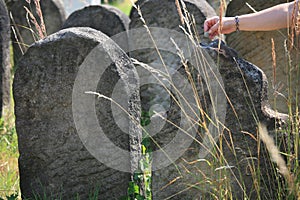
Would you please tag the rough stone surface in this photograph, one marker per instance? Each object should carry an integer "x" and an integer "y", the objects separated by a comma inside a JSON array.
[
  {"x": 53, "y": 14},
  {"x": 104, "y": 18},
  {"x": 256, "y": 47},
  {"x": 156, "y": 15},
  {"x": 5, "y": 84},
  {"x": 162, "y": 14},
  {"x": 53, "y": 159},
  {"x": 195, "y": 177}
]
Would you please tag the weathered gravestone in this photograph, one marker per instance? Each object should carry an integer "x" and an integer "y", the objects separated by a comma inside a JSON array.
[
  {"x": 104, "y": 18},
  {"x": 257, "y": 48},
  {"x": 4, "y": 57},
  {"x": 58, "y": 124},
  {"x": 229, "y": 161},
  {"x": 162, "y": 14},
  {"x": 53, "y": 15}
]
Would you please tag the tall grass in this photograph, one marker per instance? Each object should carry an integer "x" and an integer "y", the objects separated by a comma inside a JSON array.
[
  {"x": 290, "y": 170},
  {"x": 9, "y": 172}
]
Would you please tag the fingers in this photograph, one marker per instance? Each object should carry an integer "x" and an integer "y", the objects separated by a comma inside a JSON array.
[
  {"x": 210, "y": 22},
  {"x": 214, "y": 31},
  {"x": 211, "y": 26}
]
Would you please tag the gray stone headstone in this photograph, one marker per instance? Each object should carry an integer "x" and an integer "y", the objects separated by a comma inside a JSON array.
[
  {"x": 105, "y": 18},
  {"x": 256, "y": 47},
  {"x": 162, "y": 14},
  {"x": 58, "y": 123},
  {"x": 5, "y": 76},
  {"x": 53, "y": 15},
  {"x": 196, "y": 175}
]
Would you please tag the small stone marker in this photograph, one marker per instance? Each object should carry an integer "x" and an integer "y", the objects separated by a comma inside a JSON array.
[
  {"x": 5, "y": 76},
  {"x": 53, "y": 14},
  {"x": 256, "y": 47},
  {"x": 57, "y": 122}
]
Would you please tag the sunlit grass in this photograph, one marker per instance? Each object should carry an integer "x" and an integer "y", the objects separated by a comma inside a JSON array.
[
  {"x": 9, "y": 173},
  {"x": 124, "y": 6}
]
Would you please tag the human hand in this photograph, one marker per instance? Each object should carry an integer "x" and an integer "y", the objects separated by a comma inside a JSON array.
[{"x": 211, "y": 25}]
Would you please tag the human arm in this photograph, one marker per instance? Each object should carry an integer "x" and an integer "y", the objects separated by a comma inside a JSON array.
[{"x": 276, "y": 17}]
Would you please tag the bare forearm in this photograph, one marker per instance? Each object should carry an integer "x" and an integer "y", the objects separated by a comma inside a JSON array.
[{"x": 273, "y": 18}]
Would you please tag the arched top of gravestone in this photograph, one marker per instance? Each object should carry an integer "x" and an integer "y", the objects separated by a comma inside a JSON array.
[
  {"x": 104, "y": 18},
  {"x": 164, "y": 14}
]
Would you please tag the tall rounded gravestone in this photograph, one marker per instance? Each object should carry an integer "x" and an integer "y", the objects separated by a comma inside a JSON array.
[
  {"x": 257, "y": 48},
  {"x": 69, "y": 141}
]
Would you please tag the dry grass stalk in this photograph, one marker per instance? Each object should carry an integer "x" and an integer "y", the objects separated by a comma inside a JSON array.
[
  {"x": 297, "y": 29},
  {"x": 220, "y": 17},
  {"x": 223, "y": 4},
  {"x": 274, "y": 62},
  {"x": 17, "y": 34},
  {"x": 275, "y": 154},
  {"x": 40, "y": 14},
  {"x": 40, "y": 27},
  {"x": 293, "y": 26},
  {"x": 35, "y": 23},
  {"x": 298, "y": 20},
  {"x": 179, "y": 12}
]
